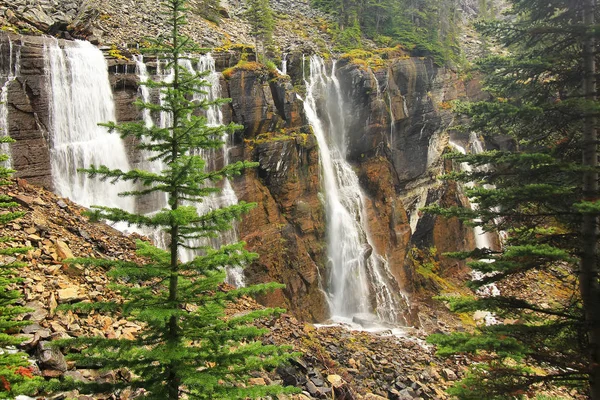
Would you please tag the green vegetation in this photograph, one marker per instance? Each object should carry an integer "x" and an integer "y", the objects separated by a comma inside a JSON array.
[
  {"x": 544, "y": 197},
  {"x": 262, "y": 23},
  {"x": 16, "y": 374},
  {"x": 187, "y": 347},
  {"x": 424, "y": 27},
  {"x": 245, "y": 66}
]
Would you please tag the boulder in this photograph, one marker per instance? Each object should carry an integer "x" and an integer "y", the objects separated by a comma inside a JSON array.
[{"x": 51, "y": 358}]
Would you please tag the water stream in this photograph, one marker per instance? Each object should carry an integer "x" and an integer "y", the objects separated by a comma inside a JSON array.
[
  {"x": 483, "y": 239},
  {"x": 9, "y": 70},
  {"x": 80, "y": 98},
  {"x": 360, "y": 283},
  {"x": 226, "y": 197}
]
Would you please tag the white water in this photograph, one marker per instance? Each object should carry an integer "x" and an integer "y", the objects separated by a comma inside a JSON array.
[
  {"x": 483, "y": 240},
  {"x": 10, "y": 70},
  {"x": 284, "y": 63},
  {"x": 80, "y": 98},
  {"x": 226, "y": 197},
  {"x": 144, "y": 91},
  {"x": 283, "y": 70},
  {"x": 357, "y": 274}
]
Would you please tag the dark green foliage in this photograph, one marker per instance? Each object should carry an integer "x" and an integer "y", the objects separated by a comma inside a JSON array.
[
  {"x": 262, "y": 23},
  {"x": 426, "y": 27},
  {"x": 187, "y": 346},
  {"x": 15, "y": 375},
  {"x": 534, "y": 193}
]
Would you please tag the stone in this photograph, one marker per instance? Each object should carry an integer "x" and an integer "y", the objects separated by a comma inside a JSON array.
[
  {"x": 51, "y": 373},
  {"x": 39, "y": 312},
  {"x": 62, "y": 250},
  {"x": 33, "y": 328},
  {"x": 335, "y": 380},
  {"x": 73, "y": 269},
  {"x": 312, "y": 388},
  {"x": 24, "y": 200},
  {"x": 372, "y": 396},
  {"x": 69, "y": 295},
  {"x": 51, "y": 358},
  {"x": 449, "y": 375},
  {"x": 257, "y": 382},
  {"x": 34, "y": 238},
  {"x": 52, "y": 304},
  {"x": 76, "y": 376}
]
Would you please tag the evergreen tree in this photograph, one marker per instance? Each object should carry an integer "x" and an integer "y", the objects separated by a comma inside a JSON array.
[
  {"x": 187, "y": 346},
  {"x": 262, "y": 24},
  {"x": 15, "y": 372},
  {"x": 543, "y": 196},
  {"x": 425, "y": 27}
]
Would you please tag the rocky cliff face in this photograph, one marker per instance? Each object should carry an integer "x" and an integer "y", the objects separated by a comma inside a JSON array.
[{"x": 397, "y": 131}]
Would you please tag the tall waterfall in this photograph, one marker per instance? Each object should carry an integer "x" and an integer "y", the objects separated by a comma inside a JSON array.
[
  {"x": 80, "y": 98},
  {"x": 214, "y": 116},
  {"x": 359, "y": 278},
  {"x": 483, "y": 239},
  {"x": 9, "y": 71}
]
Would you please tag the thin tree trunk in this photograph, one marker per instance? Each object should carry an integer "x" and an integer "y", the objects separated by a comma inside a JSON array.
[
  {"x": 173, "y": 326},
  {"x": 588, "y": 276}
]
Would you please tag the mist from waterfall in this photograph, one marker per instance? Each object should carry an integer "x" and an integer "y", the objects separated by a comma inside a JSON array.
[
  {"x": 359, "y": 278},
  {"x": 80, "y": 99}
]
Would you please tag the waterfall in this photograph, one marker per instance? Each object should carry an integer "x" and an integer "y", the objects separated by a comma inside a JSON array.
[
  {"x": 283, "y": 70},
  {"x": 80, "y": 98},
  {"x": 144, "y": 90},
  {"x": 359, "y": 279},
  {"x": 483, "y": 240},
  {"x": 284, "y": 63},
  {"x": 226, "y": 197},
  {"x": 9, "y": 69}
]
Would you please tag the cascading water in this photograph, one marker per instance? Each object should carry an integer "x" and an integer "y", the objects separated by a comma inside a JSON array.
[
  {"x": 214, "y": 116},
  {"x": 9, "y": 69},
  {"x": 357, "y": 274},
  {"x": 284, "y": 64},
  {"x": 483, "y": 240},
  {"x": 226, "y": 197},
  {"x": 144, "y": 90},
  {"x": 81, "y": 98}
]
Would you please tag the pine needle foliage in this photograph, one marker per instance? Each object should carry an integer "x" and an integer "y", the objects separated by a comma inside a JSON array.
[
  {"x": 187, "y": 347},
  {"x": 536, "y": 194},
  {"x": 15, "y": 373},
  {"x": 262, "y": 24}
]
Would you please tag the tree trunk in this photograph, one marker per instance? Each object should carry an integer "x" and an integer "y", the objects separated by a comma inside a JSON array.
[{"x": 588, "y": 275}]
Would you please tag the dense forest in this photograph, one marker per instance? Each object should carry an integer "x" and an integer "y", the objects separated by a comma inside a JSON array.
[{"x": 424, "y": 27}]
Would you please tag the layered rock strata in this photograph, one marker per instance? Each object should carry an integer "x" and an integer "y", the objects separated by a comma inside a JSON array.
[{"x": 398, "y": 123}]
